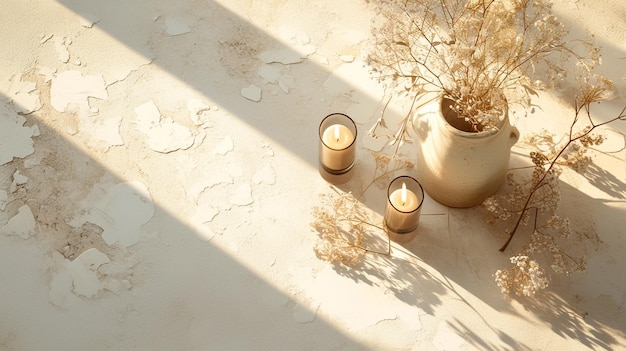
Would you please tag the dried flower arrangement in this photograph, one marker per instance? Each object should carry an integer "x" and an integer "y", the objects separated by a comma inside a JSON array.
[
  {"x": 343, "y": 222},
  {"x": 482, "y": 54}
]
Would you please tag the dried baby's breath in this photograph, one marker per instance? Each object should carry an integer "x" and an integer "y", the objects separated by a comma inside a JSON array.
[
  {"x": 343, "y": 222},
  {"x": 482, "y": 54},
  {"x": 341, "y": 237},
  {"x": 535, "y": 200},
  {"x": 524, "y": 278}
]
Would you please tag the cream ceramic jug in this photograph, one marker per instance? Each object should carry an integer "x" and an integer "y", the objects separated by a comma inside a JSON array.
[{"x": 459, "y": 168}]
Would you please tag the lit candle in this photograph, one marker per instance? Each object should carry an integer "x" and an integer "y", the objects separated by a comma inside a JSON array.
[
  {"x": 337, "y": 137},
  {"x": 337, "y": 148},
  {"x": 404, "y": 200}
]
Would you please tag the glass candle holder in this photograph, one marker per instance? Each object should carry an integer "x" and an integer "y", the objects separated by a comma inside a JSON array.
[
  {"x": 337, "y": 146},
  {"x": 405, "y": 196}
]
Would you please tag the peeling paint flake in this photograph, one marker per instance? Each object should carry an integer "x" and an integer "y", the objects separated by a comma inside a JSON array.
[
  {"x": 199, "y": 112},
  {"x": 286, "y": 56},
  {"x": 242, "y": 195},
  {"x": 15, "y": 138},
  {"x": 164, "y": 135},
  {"x": 286, "y": 83},
  {"x": 18, "y": 179},
  {"x": 22, "y": 224},
  {"x": 177, "y": 26},
  {"x": 105, "y": 130},
  {"x": 121, "y": 213},
  {"x": 225, "y": 146},
  {"x": 35, "y": 130},
  {"x": 71, "y": 87},
  {"x": 82, "y": 277},
  {"x": 251, "y": 92},
  {"x": 84, "y": 272},
  {"x": 25, "y": 96},
  {"x": 60, "y": 45},
  {"x": 347, "y": 58},
  {"x": 270, "y": 73},
  {"x": 265, "y": 174}
]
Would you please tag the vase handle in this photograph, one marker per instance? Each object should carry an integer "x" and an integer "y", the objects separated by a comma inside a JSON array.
[{"x": 514, "y": 136}]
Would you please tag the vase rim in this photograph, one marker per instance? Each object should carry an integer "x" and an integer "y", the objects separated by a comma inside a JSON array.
[{"x": 477, "y": 134}]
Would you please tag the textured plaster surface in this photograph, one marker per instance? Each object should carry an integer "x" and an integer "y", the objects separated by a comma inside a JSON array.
[{"x": 158, "y": 171}]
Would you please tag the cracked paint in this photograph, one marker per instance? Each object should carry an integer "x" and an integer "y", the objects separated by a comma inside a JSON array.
[
  {"x": 72, "y": 88},
  {"x": 163, "y": 134}
]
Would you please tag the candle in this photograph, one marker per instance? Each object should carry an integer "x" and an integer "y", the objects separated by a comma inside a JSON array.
[
  {"x": 404, "y": 201},
  {"x": 337, "y": 148},
  {"x": 337, "y": 137}
]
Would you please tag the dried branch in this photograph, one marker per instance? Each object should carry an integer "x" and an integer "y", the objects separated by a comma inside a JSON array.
[
  {"x": 540, "y": 197},
  {"x": 591, "y": 93}
]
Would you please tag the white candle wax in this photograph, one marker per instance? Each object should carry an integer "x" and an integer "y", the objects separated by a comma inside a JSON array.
[
  {"x": 404, "y": 200},
  {"x": 337, "y": 137}
]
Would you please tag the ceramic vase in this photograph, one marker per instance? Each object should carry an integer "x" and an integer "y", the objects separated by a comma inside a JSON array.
[{"x": 456, "y": 167}]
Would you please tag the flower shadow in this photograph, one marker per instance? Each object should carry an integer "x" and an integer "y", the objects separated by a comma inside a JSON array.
[
  {"x": 471, "y": 337},
  {"x": 455, "y": 255},
  {"x": 383, "y": 263},
  {"x": 411, "y": 283},
  {"x": 605, "y": 181},
  {"x": 553, "y": 309}
]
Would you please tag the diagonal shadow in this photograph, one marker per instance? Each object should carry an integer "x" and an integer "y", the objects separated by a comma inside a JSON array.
[
  {"x": 201, "y": 303},
  {"x": 186, "y": 293},
  {"x": 209, "y": 60},
  {"x": 202, "y": 76},
  {"x": 449, "y": 258}
]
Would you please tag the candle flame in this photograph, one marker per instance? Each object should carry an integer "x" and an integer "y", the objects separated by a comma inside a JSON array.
[
  {"x": 403, "y": 194},
  {"x": 337, "y": 133}
]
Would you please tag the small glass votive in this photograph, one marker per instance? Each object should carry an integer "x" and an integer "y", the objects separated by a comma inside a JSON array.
[
  {"x": 405, "y": 196},
  {"x": 337, "y": 147}
]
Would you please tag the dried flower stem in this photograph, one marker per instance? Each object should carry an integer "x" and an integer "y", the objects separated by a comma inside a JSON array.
[{"x": 541, "y": 182}]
